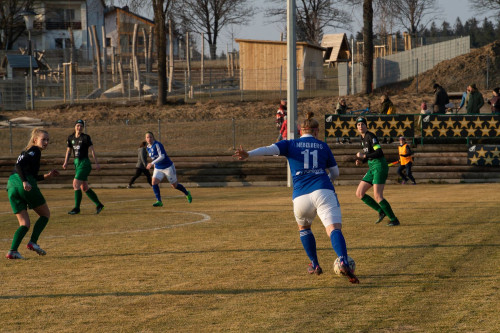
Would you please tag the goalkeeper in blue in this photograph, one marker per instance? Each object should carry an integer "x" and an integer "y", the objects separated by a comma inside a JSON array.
[{"x": 313, "y": 191}]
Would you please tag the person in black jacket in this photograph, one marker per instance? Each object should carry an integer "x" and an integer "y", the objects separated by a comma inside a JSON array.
[
  {"x": 140, "y": 167},
  {"x": 440, "y": 99},
  {"x": 23, "y": 193}
]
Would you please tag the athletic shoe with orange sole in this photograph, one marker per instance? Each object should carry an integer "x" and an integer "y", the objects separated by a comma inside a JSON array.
[
  {"x": 314, "y": 270},
  {"x": 346, "y": 271},
  {"x": 13, "y": 255},
  {"x": 34, "y": 247}
]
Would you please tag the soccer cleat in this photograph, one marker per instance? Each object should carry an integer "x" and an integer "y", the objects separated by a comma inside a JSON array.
[
  {"x": 346, "y": 271},
  {"x": 381, "y": 216},
  {"x": 74, "y": 211},
  {"x": 158, "y": 204},
  {"x": 393, "y": 223},
  {"x": 189, "y": 197},
  {"x": 99, "y": 208},
  {"x": 34, "y": 247},
  {"x": 312, "y": 270},
  {"x": 129, "y": 186},
  {"x": 403, "y": 182},
  {"x": 13, "y": 255}
]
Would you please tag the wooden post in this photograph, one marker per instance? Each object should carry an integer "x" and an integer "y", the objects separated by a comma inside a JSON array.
[
  {"x": 171, "y": 51},
  {"x": 64, "y": 83},
  {"x": 122, "y": 82},
  {"x": 202, "y": 74},
  {"x": 227, "y": 60},
  {"x": 188, "y": 60},
  {"x": 145, "y": 37},
  {"x": 97, "y": 56},
  {"x": 104, "y": 59},
  {"x": 91, "y": 40},
  {"x": 150, "y": 49},
  {"x": 113, "y": 64}
]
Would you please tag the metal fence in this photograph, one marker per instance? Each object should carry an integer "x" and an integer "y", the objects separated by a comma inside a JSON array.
[{"x": 182, "y": 137}]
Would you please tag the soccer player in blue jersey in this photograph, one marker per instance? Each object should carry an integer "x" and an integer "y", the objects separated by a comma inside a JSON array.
[
  {"x": 376, "y": 175},
  {"x": 313, "y": 191},
  {"x": 163, "y": 167}
]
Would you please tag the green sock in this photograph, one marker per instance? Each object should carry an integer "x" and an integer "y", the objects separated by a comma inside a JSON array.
[
  {"x": 386, "y": 207},
  {"x": 78, "y": 198},
  {"x": 38, "y": 228},
  {"x": 18, "y": 237},
  {"x": 371, "y": 203},
  {"x": 92, "y": 196}
]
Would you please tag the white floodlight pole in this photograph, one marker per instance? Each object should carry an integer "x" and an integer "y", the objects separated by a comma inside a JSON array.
[
  {"x": 29, "y": 18},
  {"x": 291, "y": 41}
]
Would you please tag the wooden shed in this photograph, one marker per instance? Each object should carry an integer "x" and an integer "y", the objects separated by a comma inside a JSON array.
[
  {"x": 337, "y": 48},
  {"x": 263, "y": 65},
  {"x": 17, "y": 65}
]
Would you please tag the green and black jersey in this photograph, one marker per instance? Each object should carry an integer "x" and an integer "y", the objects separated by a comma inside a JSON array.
[{"x": 80, "y": 145}]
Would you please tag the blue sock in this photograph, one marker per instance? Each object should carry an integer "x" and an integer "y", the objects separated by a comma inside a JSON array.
[
  {"x": 181, "y": 188},
  {"x": 338, "y": 244},
  {"x": 309, "y": 244},
  {"x": 156, "y": 190}
]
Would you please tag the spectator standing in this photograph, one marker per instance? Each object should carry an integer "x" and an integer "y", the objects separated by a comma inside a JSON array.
[
  {"x": 405, "y": 161},
  {"x": 280, "y": 118},
  {"x": 341, "y": 107},
  {"x": 440, "y": 99},
  {"x": 386, "y": 105},
  {"x": 140, "y": 167},
  {"x": 495, "y": 101},
  {"x": 475, "y": 100}
]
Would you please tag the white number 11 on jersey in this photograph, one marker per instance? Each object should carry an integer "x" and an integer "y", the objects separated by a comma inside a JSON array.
[{"x": 306, "y": 154}]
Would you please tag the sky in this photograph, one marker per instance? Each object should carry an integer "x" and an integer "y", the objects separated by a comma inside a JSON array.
[{"x": 261, "y": 29}]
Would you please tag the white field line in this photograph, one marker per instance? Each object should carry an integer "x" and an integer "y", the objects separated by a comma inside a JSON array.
[{"x": 204, "y": 218}]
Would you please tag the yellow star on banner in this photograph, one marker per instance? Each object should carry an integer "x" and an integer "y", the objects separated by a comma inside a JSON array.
[
  {"x": 338, "y": 123},
  {"x": 449, "y": 123},
  {"x": 457, "y": 131},
  {"x": 474, "y": 159},
  {"x": 435, "y": 123},
  {"x": 351, "y": 123},
  {"x": 481, "y": 152},
  {"x": 493, "y": 123},
  {"x": 488, "y": 160},
  {"x": 386, "y": 131},
  {"x": 478, "y": 123},
  {"x": 400, "y": 131},
  {"x": 407, "y": 123},
  {"x": 496, "y": 152},
  {"x": 464, "y": 123},
  {"x": 331, "y": 131},
  {"x": 393, "y": 123},
  {"x": 485, "y": 131},
  {"x": 428, "y": 131},
  {"x": 471, "y": 131},
  {"x": 379, "y": 123},
  {"x": 345, "y": 131},
  {"x": 442, "y": 131}
]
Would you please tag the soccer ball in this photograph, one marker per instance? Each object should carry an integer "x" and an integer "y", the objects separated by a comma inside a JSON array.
[{"x": 336, "y": 265}]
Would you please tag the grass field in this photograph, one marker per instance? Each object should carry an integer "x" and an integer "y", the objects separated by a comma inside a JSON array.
[{"x": 232, "y": 261}]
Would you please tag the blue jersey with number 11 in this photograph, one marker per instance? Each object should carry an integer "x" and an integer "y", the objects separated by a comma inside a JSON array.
[{"x": 308, "y": 158}]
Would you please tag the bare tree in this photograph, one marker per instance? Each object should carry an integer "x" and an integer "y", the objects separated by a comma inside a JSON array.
[
  {"x": 368, "y": 46},
  {"x": 484, "y": 6},
  {"x": 11, "y": 23},
  {"x": 211, "y": 16},
  {"x": 415, "y": 15},
  {"x": 161, "y": 10},
  {"x": 313, "y": 17}
]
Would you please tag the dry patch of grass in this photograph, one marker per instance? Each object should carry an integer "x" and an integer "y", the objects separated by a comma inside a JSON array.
[{"x": 232, "y": 261}]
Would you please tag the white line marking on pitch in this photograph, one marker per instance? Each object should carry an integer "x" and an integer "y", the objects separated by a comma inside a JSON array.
[{"x": 204, "y": 218}]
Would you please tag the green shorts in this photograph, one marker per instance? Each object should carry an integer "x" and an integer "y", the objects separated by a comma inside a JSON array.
[
  {"x": 19, "y": 198},
  {"x": 83, "y": 168},
  {"x": 377, "y": 172}
]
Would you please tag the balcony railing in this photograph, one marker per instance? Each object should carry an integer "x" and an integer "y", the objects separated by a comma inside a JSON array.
[{"x": 61, "y": 25}]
